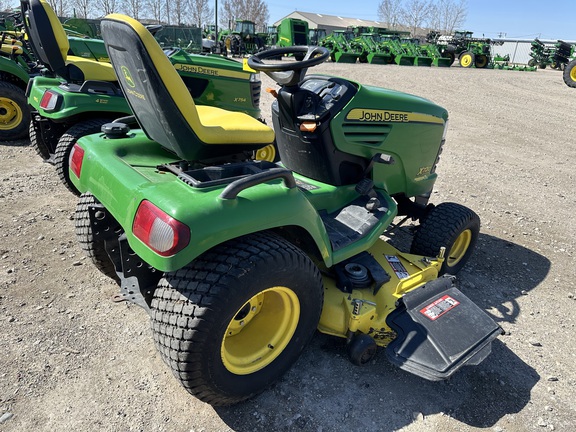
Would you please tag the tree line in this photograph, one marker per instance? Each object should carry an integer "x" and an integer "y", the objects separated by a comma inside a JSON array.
[
  {"x": 171, "y": 12},
  {"x": 441, "y": 15}
]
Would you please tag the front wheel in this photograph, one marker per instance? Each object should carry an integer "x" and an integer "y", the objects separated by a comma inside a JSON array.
[
  {"x": 235, "y": 319},
  {"x": 452, "y": 226},
  {"x": 14, "y": 112},
  {"x": 467, "y": 59},
  {"x": 65, "y": 144},
  {"x": 569, "y": 74}
]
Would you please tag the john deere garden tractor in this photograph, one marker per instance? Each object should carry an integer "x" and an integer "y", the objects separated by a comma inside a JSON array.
[
  {"x": 237, "y": 261},
  {"x": 18, "y": 64},
  {"x": 76, "y": 96}
]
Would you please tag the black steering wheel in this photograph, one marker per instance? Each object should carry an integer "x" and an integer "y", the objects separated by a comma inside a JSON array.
[{"x": 289, "y": 73}]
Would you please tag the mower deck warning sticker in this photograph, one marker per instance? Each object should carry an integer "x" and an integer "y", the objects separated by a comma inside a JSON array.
[
  {"x": 439, "y": 307},
  {"x": 397, "y": 266}
]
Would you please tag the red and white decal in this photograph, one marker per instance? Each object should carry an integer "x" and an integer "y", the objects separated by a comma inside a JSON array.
[
  {"x": 439, "y": 307},
  {"x": 399, "y": 269}
]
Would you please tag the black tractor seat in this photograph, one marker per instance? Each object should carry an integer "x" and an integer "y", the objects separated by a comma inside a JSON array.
[{"x": 163, "y": 105}]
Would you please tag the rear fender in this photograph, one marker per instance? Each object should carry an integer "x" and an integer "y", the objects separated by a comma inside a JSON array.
[
  {"x": 73, "y": 103},
  {"x": 122, "y": 173},
  {"x": 13, "y": 69}
]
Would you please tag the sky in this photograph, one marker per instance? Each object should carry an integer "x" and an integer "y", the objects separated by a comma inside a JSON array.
[{"x": 524, "y": 19}]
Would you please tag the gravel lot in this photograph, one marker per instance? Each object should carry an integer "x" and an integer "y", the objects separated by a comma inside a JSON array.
[{"x": 73, "y": 360}]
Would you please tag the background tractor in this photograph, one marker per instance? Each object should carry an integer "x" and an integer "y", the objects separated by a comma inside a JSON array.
[
  {"x": 243, "y": 39},
  {"x": 342, "y": 46},
  {"x": 471, "y": 52}
]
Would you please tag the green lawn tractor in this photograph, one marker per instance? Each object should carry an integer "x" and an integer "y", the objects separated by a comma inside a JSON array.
[
  {"x": 18, "y": 64},
  {"x": 69, "y": 102},
  {"x": 238, "y": 262}
]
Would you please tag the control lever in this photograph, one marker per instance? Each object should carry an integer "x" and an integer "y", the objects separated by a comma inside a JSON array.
[{"x": 365, "y": 186}]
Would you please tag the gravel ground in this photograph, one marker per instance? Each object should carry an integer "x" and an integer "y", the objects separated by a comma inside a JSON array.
[{"x": 71, "y": 359}]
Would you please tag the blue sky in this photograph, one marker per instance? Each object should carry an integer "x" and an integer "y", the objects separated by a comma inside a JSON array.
[{"x": 517, "y": 18}]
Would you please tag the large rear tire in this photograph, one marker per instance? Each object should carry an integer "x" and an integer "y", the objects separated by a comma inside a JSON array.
[
  {"x": 14, "y": 112},
  {"x": 448, "y": 225},
  {"x": 569, "y": 74},
  {"x": 65, "y": 145},
  {"x": 235, "y": 319},
  {"x": 481, "y": 61},
  {"x": 94, "y": 249},
  {"x": 449, "y": 55}
]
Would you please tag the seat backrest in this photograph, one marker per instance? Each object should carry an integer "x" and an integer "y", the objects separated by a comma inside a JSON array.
[
  {"x": 50, "y": 44},
  {"x": 153, "y": 88},
  {"x": 47, "y": 37}
]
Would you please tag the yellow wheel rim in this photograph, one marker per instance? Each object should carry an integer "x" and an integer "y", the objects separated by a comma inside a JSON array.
[
  {"x": 459, "y": 248},
  {"x": 466, "y": 60},
  {"x": 267, "y": 153},
  {"x": 260, "y": 330},
  {"x": 481, "y": 61},
  {"x": 10, "y": 114},
  {"x": 573, "y": 73}
]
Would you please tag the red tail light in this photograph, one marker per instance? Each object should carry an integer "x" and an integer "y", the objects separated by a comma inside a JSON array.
[
  {"x": 75, "y": 160},
  {"x": 159, "y": 231},
  {"x": 50, "y": 101}
]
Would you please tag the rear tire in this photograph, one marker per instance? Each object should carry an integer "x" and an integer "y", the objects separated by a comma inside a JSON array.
[
  {"x": 37, "y": 142},
  {"x": 452, "y": 226},
  {"x": 481, "y": 61},
  {"x": 449, "y": 55},
  {"x": 234, "y": 320},
  {"x": 14, "y": 112},
  {"x": 95, "y": 250},
  {"x": 569, "y": 74},
  {"x": 65, "y": 145}
]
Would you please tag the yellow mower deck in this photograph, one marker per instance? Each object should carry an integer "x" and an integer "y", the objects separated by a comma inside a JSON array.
[{"x": 365, "y": 310}]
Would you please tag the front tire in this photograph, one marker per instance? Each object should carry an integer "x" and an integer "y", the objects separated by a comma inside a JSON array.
[
  {"x": 467, "y": 59},
  {"x": 569, "y": 74},
  {"x": 14, "y": 112},
  {"x": 65, "y": 144},
  {"x": 235, "y": 319},
  {"x": 452, "y": 226}
]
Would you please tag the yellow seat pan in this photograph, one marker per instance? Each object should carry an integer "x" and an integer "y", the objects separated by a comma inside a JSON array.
[
  {"x": 11, "y": 49},
  {"x": 92, "y": 69},
  {"x": 229, "y": 127}
]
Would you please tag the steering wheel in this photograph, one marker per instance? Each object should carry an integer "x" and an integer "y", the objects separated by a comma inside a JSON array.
[{"x": 288, "y": 73}]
